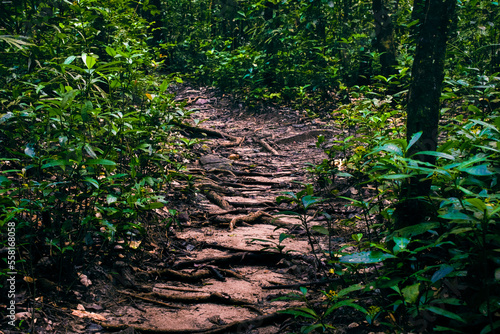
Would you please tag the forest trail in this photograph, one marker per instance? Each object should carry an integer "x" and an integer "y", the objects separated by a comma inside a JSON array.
[{"x": 220, "y": 268}]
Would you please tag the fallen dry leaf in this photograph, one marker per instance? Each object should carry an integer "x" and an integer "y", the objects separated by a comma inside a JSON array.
[{"x": 90, "y": 315}]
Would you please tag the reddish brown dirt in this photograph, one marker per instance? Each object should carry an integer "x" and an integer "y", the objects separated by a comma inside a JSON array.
[{"x": 208, "y": 290}]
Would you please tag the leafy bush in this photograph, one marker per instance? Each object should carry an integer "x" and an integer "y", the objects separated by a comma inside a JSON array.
[{"x": 88, "y": 140}]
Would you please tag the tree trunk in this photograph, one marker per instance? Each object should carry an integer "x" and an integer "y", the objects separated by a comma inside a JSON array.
[
  {"x": 384, "y": 37},
  {"x": 423, "y": 103}
]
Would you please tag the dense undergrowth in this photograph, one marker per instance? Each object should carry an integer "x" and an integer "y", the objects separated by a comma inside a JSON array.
[{"x": 89, "y": 147}]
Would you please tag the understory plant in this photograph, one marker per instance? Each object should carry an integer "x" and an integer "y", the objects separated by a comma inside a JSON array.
[
  {"x": 442, "y": 274},
  {"x": 88, "y": 141}
]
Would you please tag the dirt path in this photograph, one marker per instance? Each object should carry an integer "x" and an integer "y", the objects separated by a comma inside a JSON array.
[{"x": 212, "y": 275}]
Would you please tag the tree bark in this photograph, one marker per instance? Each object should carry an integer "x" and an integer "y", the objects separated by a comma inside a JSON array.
[
  {"x": 423, "y": 104},
  {"x": 384, "y": 37}
]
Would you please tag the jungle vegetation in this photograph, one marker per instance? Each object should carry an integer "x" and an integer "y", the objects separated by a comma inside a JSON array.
[{"x": 88, "y": 124}]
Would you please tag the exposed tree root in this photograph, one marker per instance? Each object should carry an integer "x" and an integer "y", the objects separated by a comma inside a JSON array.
[
  {"x": 208, "y": 132},
  {"x": 250, "y": 218},
  {"x": 221, "y": 170},
  {"x": 312, "y": 134},
  {"x": 298, "y": 285},
  {"x": 236, "y": 142},
  {"x": 268, "y": 147},
  {"x": 213, "y": 297},
  {"x": 184, "y": 277},
  {"x": 238, "y": 326},
  {"x": 215, "y": 198},
  {"x": 267, "y": 219},
  {"x": 150, "y": 300},
  {"x": 234, "y": 259}
]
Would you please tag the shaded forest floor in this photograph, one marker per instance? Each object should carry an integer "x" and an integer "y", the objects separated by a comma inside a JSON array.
[{"x": 207, "y": 272}]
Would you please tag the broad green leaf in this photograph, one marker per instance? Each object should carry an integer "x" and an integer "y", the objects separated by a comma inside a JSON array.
[
  {"x": 474, "y": 109},
  {"x": 390, "y": 147},
  {"x": 110, "y": 51},
  {"x": 348, "y": 290},
  {"x": 400, "y": 244},
  {"x": 410, "y": 293},
  {"x": 309, "y": 200},
  {"x": 487, "y": 329},
  {"x": 92, "y": 182},
  {"x": 30, "y": 151},
  {"x": 103, "y": 162},
  {"x": 480, "y": 170},
  {"x": 54, "y": 163},
  {"x": 89, "y": 60},
  {"x": 68, "y": 98},
  {"x": 111, "y": 198},
  {"x": 395, "y": 176},
  {"x": 164, "y": 85},
  {"x": 301, "y": 313},
  {"x": 479, "y": 204},
  {"x": 320, "y": 229},
  {"x": 436, "y": 154},
  {"x": 442, "y": 272},
  {"x": 155, "y": 205},
  {"x": 366, "y": 257},
  {"x": 90, "y": 151},
  {"x": 418, "y": 229},
  {"x": 455, "y": 215},
  {"x": 3, "y": 179},
  {"x": 69, "y": 60},
  {"x": 284, "y": 236},
  {"x": 444, "y": 313},
  {"x": 486, "y": 125},
  {"x": 414, "y": 139}
]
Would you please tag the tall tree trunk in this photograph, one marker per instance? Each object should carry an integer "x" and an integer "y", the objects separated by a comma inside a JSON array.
[
  {"x": 423, "y": 103},
  {"x": 384, "y": 37}
]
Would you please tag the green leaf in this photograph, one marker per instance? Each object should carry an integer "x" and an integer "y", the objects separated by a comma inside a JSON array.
[
  {"x": 414, "y": 139},
  {"x": 111, "y": 199},
  {"x": 366, "y": 257},
  {"x": 455, "y": 215},
  {"x": 480, "y": 170},
  {"x": 444, "y": 313},
  {"x": 309, "y": 200},
  {"x": 89, "y": 150},
  {"x": 442, "y": 273},
  {"x": 390, "y": 147},
  {"x": 320, "y": 229},
  {"x": 110, "y": 51},
  {"x": 69, "y": 60},
  {"x": 410, "y": 293},
  {"x": 30, "y": 151},
  {"x": 348, "y": 290},
  {"x": 3, "y": 179},
  {"x": 436, "y": 154},
  {"x": 89, "y": 60},
  {"x": 394, "y": 176},
  {"x": 164, "y": 85},
  {"x": 418, "y": 229},
  {"x": 400, "y": 244},
  {"x": 284, "y": 236},
  {"x": 68, "y": 98},
  {"x": 92, "y": 182},
  {"x": 476, "y": 202},
  {"x": 54, "y": 163},
  {"x": 303, "y": 312},
  {"x": 103, "y": 162},
  {"x": 487, "y": 329},
  {"x": 155, "y": 205}
]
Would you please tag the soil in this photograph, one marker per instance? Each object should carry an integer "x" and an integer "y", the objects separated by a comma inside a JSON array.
[{"x": 220, "y": 266}]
